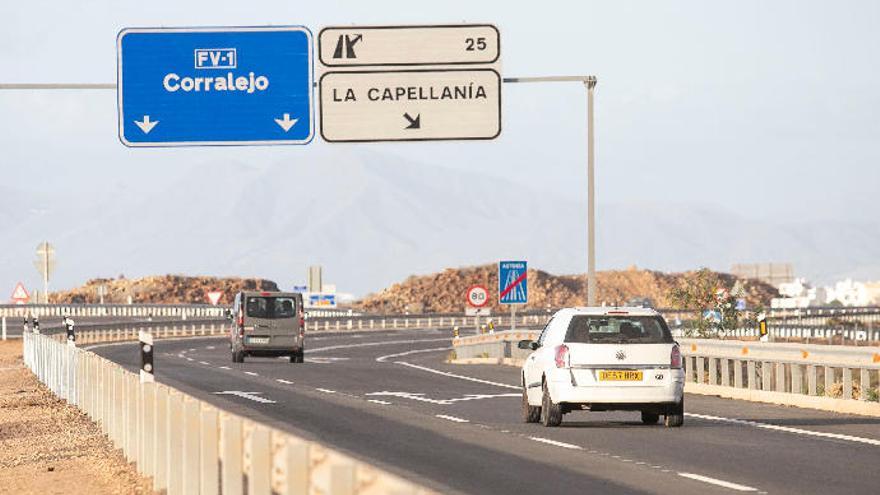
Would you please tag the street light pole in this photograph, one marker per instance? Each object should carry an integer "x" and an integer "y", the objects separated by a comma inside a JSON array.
[{"x": 589, "y": 83}]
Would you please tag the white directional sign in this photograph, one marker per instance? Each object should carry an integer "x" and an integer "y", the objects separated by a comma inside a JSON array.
[
  {"x": 409, "y": 45},
  {"x": 410, "y": 105}
]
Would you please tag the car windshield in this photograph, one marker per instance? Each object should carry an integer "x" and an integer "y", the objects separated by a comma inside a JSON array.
[
  {"x": 621, "y": 329},
  {"x": 271, "y": 307}
]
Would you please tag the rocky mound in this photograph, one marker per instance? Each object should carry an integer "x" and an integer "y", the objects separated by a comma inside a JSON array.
[
  {"x": 444, "y": 292},
  {"x": 164, "y": 289}
]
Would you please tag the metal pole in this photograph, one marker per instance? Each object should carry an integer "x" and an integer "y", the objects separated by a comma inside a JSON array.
[
  {"x": 46, "y": 274},
  {"x": 591, "y": 201},
  {"x": 590, "y": 83}
]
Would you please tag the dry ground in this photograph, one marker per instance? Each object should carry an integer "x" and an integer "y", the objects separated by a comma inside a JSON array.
[{"x": 47, "y": 446}]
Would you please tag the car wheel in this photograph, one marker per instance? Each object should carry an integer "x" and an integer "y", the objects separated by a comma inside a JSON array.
[
  {"x": 551, "y": 414},
  {"x": 530, "y": 414},
  {"x": 650, "y": 418},
  {"x": 675, "y": 415}
]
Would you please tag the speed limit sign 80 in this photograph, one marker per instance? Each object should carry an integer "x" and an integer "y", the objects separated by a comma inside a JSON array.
[{"x": 478, "y": 296}]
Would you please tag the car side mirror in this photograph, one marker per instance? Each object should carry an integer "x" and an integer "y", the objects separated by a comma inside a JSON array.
[{"x": 527, "y": 344}]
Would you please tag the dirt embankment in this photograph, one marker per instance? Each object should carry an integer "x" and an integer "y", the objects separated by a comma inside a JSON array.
[
  {"x": 163, "y": 289},
  {"x": 445, "y": 291},
  {"x": 49, "y": 447}
]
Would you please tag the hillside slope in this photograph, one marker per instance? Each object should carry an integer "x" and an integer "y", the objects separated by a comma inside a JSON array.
[
  {"x": 444, "y": 292},
  {"x": 164, "y": 289}
]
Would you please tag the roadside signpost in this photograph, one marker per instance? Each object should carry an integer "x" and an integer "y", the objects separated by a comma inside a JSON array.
[
  {"x": 20, "y": 294},
  {"x": 215, "y": 86},
  {"x": 214, "y": 296},
  {"x": 513, "y": 286},
  {"x": 45, "y": 264},
  {"x": 450, "y": 88},
  {"x": 478, "y": 301},
  {"x": 320, "y": 300}
]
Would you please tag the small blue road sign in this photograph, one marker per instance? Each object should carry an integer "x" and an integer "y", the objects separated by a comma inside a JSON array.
[
  {"x": 215, "y": 86},
  {"x": 513, "y": 287}
]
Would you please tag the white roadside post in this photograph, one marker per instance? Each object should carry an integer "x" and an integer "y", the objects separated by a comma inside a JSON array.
[{"x": 146, "y": 345}]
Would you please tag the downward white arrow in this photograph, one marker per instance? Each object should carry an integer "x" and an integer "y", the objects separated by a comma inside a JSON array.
[
  {"x": 286, "y": 123},
  {"x": 147, "y": 125}
]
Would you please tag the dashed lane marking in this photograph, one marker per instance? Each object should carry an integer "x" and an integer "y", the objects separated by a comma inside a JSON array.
[
  {"x": 556, "y": 443},
  {"x": 251, "y": 373},
  {"x": 460, "y": 377},
  {"x": 225, "y": 368},
  {"x": 377, "y": 401},
  {"x": 787, "y": 429},
  {"x": 451, "y": 418},
  {"x": 717, "y": 482},
  {"x": 282, "y": 380},
  {"x": 326, "y": 391},
  {"x": 205, "y": 363}
]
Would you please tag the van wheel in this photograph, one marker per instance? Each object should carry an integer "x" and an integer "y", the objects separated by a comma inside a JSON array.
[
  {"x": 530, "y": 414},
  {"x": 675, "y": 415},
  {"x": 650, "y": 418},
  {"x": 551, "y": 414}
]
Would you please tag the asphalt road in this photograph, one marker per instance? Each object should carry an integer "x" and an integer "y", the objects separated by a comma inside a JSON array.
[{"x": 390, "y": 399}]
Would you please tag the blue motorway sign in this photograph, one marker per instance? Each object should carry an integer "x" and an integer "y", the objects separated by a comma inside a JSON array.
[
  {"x": 215, "y": 86},
  {"x": 321, "y": 300},
  {"x": 513, "y": 282}
]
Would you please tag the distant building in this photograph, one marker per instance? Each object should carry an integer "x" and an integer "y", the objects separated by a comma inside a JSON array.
[
  {"x": 771, "y": 273},
  {"x": 799, "y": 294}
]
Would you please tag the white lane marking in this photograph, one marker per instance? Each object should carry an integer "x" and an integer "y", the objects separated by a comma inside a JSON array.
[
  {"x": 210, "y": 348},
  {"x": 181, "y": 356},
  {"x": 421, "y": 397},
  {"x": 714, "y": 481},
  {"x": 251, "y": 373},
  {"x": 190, "y": 359},
  {"x": 325, "y": 360},
  {"x": 787, "y": 429},
  {"x": 451, "y": 418},
  {"x": 326, "y": 391},
  {"x": 225, "y": 368},
  {"x": 377, "y": 401},
  {"x": 381, "y": 359},
  {"x": 254, "y": 396},
  {"x": 557, "y": 444},
  {"x": 373, "y": 344},
  {"x": 191, "y": 350},
  {"x": 460, "y": 377},
  {"x": 282, "y": 380},
  {"x": 205, "y": 363}
]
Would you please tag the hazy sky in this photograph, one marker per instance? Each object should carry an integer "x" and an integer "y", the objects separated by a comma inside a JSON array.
[{"x": 765, "y": 108}]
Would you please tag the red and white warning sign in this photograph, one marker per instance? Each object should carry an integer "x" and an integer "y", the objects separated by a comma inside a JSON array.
[
  {"x": 20, "y": 294},
  {"x": 477, "y": 296},
  {"x": 214, "y": 296}
]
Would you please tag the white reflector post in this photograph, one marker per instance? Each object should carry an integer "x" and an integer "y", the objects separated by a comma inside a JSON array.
[{"x": 146, "y": 345}]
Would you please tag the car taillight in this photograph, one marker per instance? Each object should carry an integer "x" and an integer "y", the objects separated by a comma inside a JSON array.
[
  {"x": 240, "y": 318},
  {"x": 675, "y": 358},
  {"x": 562, "y": 356}
]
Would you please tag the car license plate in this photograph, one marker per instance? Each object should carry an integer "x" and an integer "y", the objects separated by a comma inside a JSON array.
[
  {"x": 620, "y": 376},
  {"x": 258, "y": 340}
]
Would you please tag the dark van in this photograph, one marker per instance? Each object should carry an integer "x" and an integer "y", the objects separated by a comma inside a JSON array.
[{"x": 267, "y": 324}]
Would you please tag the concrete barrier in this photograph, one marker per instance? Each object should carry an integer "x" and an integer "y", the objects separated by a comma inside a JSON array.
[{"x": 187, "y": 445}]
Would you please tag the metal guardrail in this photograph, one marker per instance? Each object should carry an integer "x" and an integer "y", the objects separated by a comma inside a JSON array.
[
  {"x": 844, "y": 372},
  {"x": 189, "y": 446}
]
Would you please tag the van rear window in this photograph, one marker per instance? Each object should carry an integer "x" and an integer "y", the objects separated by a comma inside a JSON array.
[
  {"x": 271, "y": 307},
  {"x": 586, "y": 329}
]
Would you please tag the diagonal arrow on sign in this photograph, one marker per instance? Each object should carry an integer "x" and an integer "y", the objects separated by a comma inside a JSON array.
[
  {"x": 514, "y": 284},
  {"x": 414, "y": 122}
]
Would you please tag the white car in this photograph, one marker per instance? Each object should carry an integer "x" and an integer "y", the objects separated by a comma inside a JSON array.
[{"x": 603, "y": 359}]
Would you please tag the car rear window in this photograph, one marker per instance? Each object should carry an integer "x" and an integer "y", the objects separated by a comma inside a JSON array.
[
  {"x": 587, "y": 329},
  {"x": 271, "y": 307}
]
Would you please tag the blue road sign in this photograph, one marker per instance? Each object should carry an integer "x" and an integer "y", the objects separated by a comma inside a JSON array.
[
  {"x": 513, "y": 286},
  {"x": 215, "y": 86},
  {"x": 321, "y": 301}
]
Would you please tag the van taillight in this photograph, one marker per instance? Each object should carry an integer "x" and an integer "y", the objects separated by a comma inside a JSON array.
[
  {"x": 675, "y": 358},
  {"x": 240, "y": 318},
  {"x": 562, "y": 356}
]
